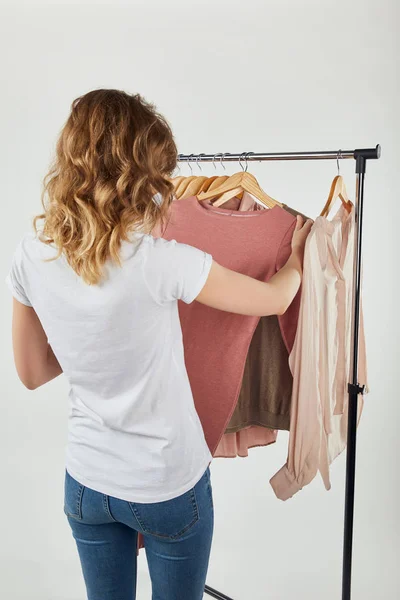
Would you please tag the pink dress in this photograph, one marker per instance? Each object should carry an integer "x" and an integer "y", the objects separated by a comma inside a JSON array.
[
  {"x": 254, "y": 242},
  {"x": 320, "y": 360}
]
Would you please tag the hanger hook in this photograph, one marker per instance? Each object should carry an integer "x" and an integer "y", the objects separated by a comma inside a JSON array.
[
  {"x": 245, "y": 158},
  {"x": 197, "y": 161},
  {"x": 247, "y": 155},
  {"x": 213, "y": 161},
  {"x": 240, "y": 160},
  {"x": 215, "y": 156},
  {"x": 222, "y": 157},
  {"x": 188, "y": 162},
  {"x": 339, "y": 155}
]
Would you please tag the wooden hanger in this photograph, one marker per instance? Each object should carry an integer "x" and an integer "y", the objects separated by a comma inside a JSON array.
[
  {"x": 338, "y": 189},
  {"x": 196, "y": 184},
  {"x": 194, "y": 187},
  {"x": 200, "y": 184},
  {"x": 180, "y": 190},
  {"x": 236, "y": 184},
  {"x": 177, "y": 181},
  {"x": 216, "y": 183},
  {"x": 207, "y": 183}
]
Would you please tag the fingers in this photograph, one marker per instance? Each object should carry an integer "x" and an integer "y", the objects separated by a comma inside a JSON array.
[
  {"x": 309, "y": 223},
  {"x": 299, "y": 222}
]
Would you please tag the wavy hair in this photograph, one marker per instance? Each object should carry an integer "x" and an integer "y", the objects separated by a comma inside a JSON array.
[{"x": 114, "y": 153}]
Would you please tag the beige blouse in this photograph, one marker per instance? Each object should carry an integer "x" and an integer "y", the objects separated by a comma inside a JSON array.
[{"x": 321, "y": 355}]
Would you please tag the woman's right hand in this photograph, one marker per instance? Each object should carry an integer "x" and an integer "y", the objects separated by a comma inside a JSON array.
[{"x": 300, "y": 235}]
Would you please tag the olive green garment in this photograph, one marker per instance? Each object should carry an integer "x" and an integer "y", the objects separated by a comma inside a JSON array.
[{"x": 266, "y": 391}]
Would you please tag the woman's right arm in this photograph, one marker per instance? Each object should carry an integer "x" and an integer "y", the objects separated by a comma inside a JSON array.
[{"x": 237, "y": 293}]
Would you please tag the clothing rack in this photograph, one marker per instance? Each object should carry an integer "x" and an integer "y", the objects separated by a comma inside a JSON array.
[{"x": 361, "y": 156}]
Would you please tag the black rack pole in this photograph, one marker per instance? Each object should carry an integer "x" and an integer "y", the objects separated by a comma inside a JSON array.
[
  {"x": 361, "y": 156},
  {"x": 354, "y": 389}
]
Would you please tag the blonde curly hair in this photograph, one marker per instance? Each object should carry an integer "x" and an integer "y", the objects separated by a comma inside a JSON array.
[{"x": 114, "y": 153}]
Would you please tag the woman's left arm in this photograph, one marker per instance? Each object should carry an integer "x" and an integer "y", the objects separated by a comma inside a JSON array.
[{"x": 34, "y": 358}]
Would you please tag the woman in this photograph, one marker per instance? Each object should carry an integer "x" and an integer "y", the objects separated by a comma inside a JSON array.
[{"x": 95, "y": 297}]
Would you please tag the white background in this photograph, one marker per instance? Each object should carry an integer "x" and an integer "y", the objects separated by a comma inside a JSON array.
[{"x": 230, "y": 77}]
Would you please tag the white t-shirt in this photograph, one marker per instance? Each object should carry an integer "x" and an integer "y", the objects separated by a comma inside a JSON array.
[{"x": 133, "y": 430}]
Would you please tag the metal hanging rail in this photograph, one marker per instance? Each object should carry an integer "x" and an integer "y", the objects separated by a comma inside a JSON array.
[
  {"x": 261, "y": 156},
  {"x": 360, "y": 156}
]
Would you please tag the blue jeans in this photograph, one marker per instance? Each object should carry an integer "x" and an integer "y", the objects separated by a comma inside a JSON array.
[{"x": 177, "y": 536}]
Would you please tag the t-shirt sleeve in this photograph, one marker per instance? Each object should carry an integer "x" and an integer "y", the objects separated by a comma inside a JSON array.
[
  {"x": 15, "y": 278},
  {"x": 175, "y": 271}
]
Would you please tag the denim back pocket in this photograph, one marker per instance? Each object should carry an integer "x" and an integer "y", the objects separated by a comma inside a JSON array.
[
  {"x": 167, "y": 519},
  {"x": 73, "y": 491}
]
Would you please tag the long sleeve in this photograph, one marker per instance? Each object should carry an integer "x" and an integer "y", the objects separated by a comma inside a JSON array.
[
  {"x": 306, "y": 420},
  {"x": 320, "y": 358}
]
